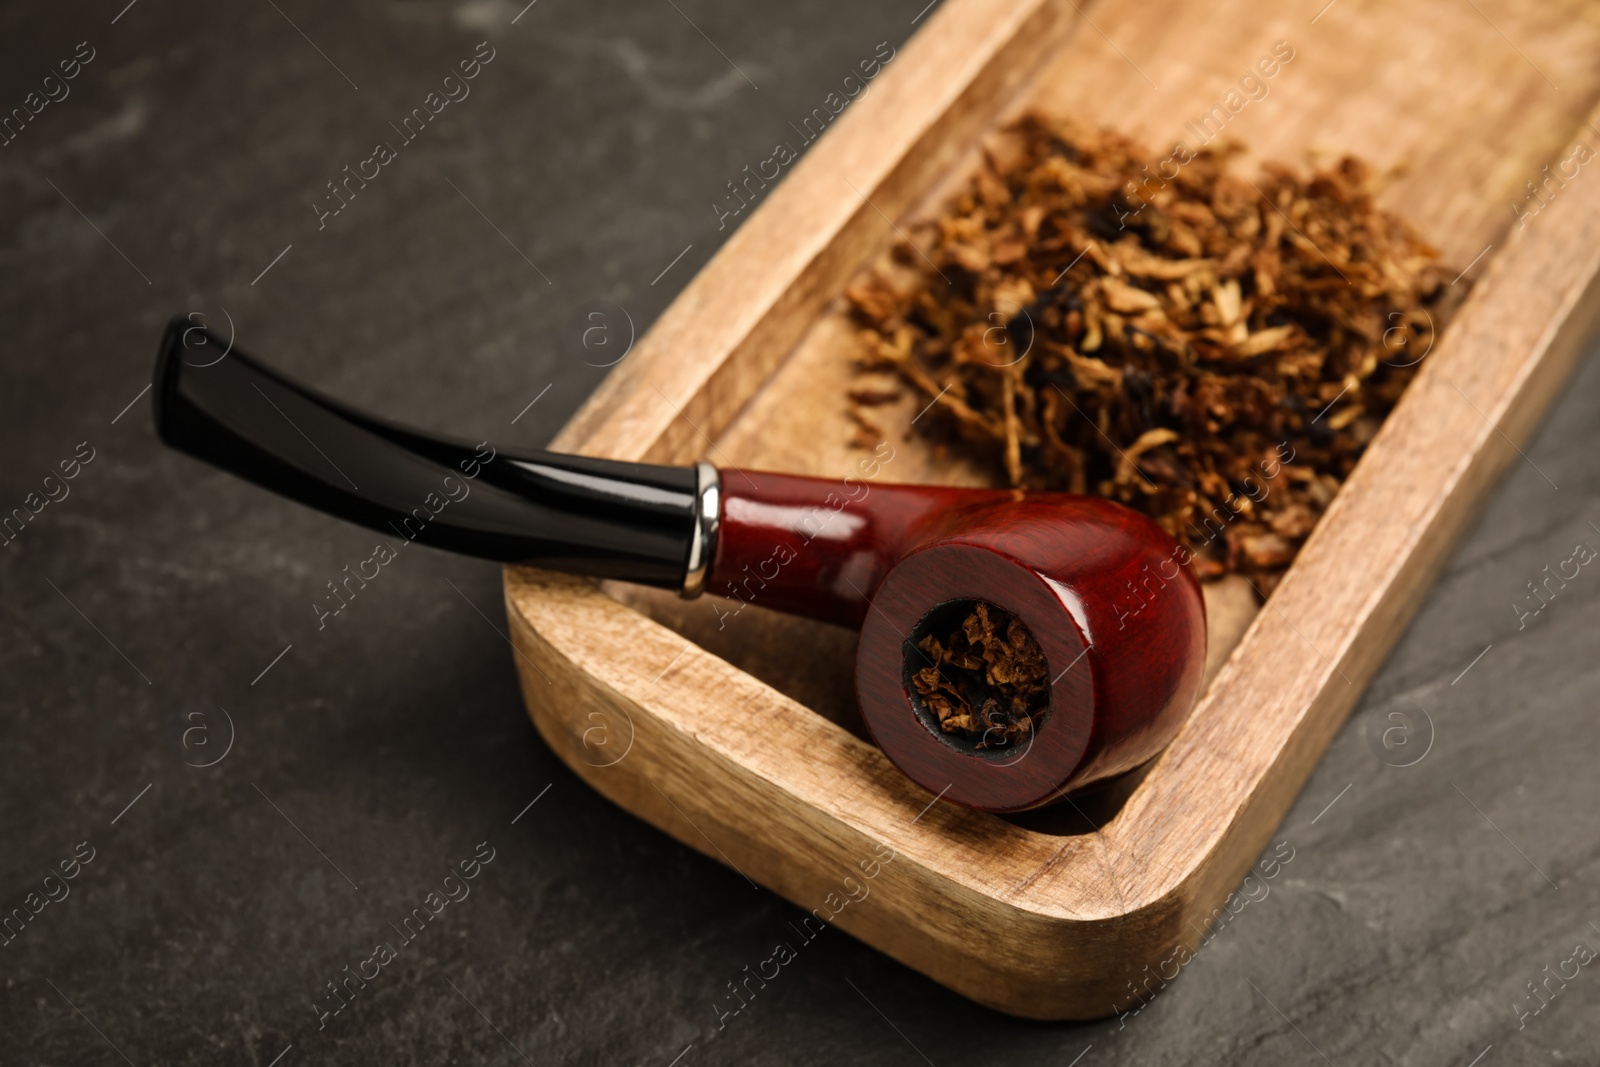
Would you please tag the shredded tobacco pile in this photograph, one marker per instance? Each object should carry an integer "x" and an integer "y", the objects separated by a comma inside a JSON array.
[
  {"x": 986, "y": 679},
  {"x": 1213, "y": 351}
]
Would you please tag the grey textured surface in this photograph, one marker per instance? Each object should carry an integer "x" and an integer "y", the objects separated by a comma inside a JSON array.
[{"x": 386, "y": 747}]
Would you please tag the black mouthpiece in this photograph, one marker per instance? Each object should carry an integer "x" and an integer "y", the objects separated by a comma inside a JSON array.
[{"x": 605, "y": 518}]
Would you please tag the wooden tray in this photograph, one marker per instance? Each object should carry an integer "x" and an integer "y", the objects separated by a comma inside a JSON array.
[{"x": 739, "y": 740}]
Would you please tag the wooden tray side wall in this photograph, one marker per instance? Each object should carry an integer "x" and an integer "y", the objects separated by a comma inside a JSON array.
[{"x": 696, "y": 769}]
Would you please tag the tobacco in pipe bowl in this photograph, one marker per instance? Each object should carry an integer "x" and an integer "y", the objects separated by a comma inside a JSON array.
[{"x": 1014, "y": 646}]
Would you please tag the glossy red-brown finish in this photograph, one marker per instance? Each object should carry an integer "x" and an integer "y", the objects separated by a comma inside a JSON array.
[
  {"x": 1120, "y": 620},
  {"x": 814, "y": 546}
]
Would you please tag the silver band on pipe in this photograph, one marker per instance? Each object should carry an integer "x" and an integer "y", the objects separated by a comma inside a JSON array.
[{"x": 703, "y": 546}]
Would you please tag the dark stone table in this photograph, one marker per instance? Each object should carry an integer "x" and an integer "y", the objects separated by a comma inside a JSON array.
[{"x": 160, "y": 610}]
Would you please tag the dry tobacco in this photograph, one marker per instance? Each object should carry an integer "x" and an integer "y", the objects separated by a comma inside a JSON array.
[
  {"x": 1211, "y": 350},
  {"x": 985, "y": 678}
]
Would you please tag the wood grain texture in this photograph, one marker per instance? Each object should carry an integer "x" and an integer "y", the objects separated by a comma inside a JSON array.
[{"x": 1058, "y": 924}]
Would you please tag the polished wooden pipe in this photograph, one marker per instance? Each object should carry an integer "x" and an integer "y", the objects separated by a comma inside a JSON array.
[
  {"x": 1102, "y": 589},
  {"x": 1120, "y": 620}
]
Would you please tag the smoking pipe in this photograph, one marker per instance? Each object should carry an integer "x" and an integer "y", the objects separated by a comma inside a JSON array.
[{"x": 1120, "y": 622}]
